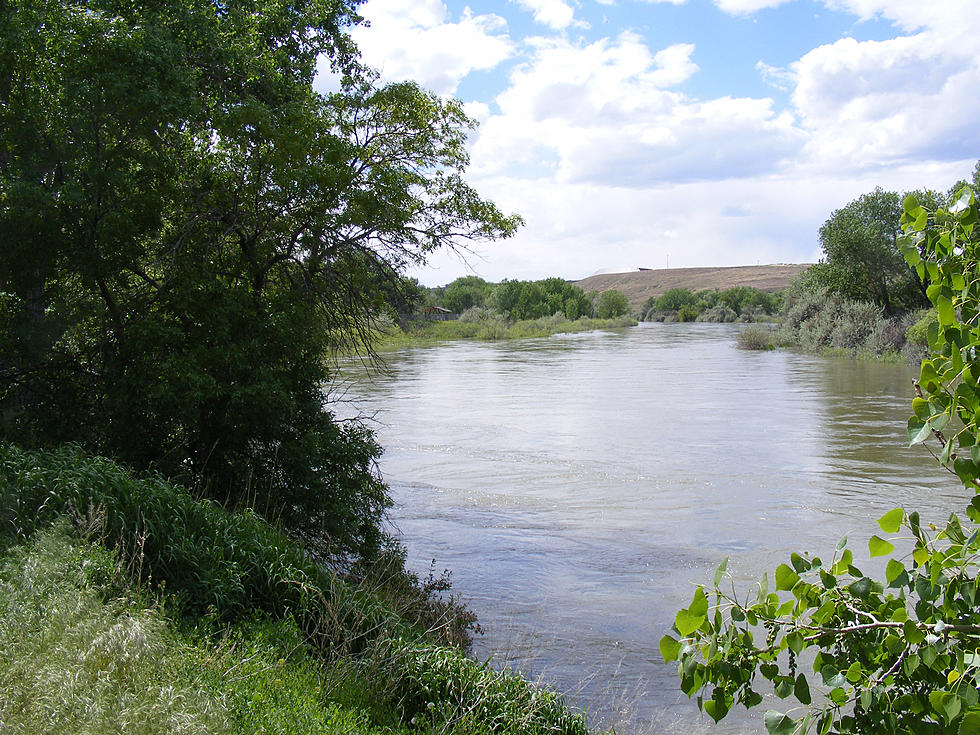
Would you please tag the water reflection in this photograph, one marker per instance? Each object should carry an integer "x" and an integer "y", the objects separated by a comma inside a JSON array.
[{"x": 578, "y": 485}]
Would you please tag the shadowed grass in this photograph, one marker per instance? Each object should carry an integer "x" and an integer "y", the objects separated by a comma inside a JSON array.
[{"x": 225, "y": 572}]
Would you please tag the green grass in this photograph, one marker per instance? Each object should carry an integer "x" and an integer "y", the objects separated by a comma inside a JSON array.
[
  {"x": 494, "y": 329},
  {"x": 196, "y": 619}
]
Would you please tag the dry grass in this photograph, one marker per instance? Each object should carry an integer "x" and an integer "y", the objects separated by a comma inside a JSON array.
[{"x": 638, "y": 286}]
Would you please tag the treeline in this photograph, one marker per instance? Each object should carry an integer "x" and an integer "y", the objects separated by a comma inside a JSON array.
[
  {"x": 739, "y": 303},
  {"x": 862, "y": 297},
  {"x": 523, "y": 300}
]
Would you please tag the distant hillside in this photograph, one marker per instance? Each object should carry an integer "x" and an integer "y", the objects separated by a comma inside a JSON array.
[{"x": 638, "y": 286}]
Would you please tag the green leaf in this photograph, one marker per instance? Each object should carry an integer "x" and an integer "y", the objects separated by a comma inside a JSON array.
[
  {"x": 854, "y": 672},
  {"x": 784, "y": 688},
  {"x": 686, "y": 623},
  {"x": 786, "y": 578},
  {"x": 922, "y": 410},
  {"x": 716, "y": 709},
  {"x": 944, "y": 307},
  {"x": 828, "y": 580},
  {"x": 669, "y": 648},
  {"x": 720, "y": 571},
  {"x": 795, "y": 641},
  {"x": 963, "y": 198},
  {"x": 970, "y": 724},
  {"x": 894, "y": 570},
  {"x": 699, "y": 605},
  {"x": 892, "y": 520},
  {"x": 912, "y": 633},
  {"x": 779, "y": 724},
  {"x": 918, "y": 431},
  {"x": 801, "y": 689},
  {"x": 831, "y": 676},
  {"x": 879, "y": 547},
  {"x": 799, "y": 563}
]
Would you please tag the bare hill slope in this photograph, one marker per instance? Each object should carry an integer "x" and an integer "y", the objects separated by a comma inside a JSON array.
[{"x": 638, "y": 286}]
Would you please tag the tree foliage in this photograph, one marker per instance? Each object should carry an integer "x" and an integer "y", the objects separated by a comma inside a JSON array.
[
  {"x": 862, "y": 260},
  {"x": 517, "y": 300},
  {"x": 189, "y": 227},
  {"x": 611, "y": 304},
  {"x": 856, "y": 653}
]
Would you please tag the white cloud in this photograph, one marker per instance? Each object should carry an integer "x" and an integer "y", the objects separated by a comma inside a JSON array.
[
  {"x": 556, "y": 14},
  {"x": 874, "y": 102},
  {"x": 605, "y": 112},
  {"x": 415, "y": 39},
  {"x": 745, "y": 7},
  {"x": 775, "y": 76},
  {"x": 614, "y": 166}
]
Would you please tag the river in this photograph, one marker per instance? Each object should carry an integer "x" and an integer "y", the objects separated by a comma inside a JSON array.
[{"x": 578, "y": 486}]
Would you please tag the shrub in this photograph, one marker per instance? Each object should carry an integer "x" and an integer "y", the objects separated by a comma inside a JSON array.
[
  {"x": 917, "y": 334},
  {"x": 854, "y": 324},
  {"x": 719, "y": 314},
  {"x": 688, "y": 313},
  {"x": 755, "y": 337}
]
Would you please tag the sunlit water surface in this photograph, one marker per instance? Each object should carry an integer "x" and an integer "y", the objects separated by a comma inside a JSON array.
[{"x": 578, "y": 486}]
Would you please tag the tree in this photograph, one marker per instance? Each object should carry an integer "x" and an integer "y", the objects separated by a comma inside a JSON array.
[
  {"x": 193, "y": 228},
  {"x": 611, "y": 304},
  {"x": 673, "y": 299},
  {"x": 464, "y": 293},
  {"x": 899, "y": 654},
  {"x": 862, "y": 260}
]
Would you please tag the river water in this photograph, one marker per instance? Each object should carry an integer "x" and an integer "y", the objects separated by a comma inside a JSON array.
[{"x": 578, "y": 487}]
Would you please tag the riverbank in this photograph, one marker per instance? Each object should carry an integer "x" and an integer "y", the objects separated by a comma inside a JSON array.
[
  {"x": 825, "y": 323},
  {"x": 490, "y": 328},
  {"x": 129, "y": 605}
]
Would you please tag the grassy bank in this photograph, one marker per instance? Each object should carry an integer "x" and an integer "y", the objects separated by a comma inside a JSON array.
[
  {"x": 126, "y": 604},
  {"x": 489, "y": 327}
]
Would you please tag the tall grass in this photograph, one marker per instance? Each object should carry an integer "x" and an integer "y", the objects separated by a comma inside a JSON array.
[
  {"x": 78, "y": 658},
  {"x": 227, "y": 568}
]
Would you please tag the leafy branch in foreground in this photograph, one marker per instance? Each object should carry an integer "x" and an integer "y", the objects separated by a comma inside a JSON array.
[{"x": 851, "y": 653}]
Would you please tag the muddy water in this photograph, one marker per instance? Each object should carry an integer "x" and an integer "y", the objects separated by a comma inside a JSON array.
[{"x": 578, "y": 486}]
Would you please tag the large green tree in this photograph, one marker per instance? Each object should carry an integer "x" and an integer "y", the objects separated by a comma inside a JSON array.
[
  {"x": 862, "y": 260},
  {"x": 188, "y": 227}
]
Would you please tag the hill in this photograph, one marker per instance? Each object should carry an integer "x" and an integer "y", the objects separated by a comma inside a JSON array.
[{"x": 638, "y": 286}]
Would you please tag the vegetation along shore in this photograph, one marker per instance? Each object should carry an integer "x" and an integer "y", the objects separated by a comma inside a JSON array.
[{"x": 191, "y": 541}]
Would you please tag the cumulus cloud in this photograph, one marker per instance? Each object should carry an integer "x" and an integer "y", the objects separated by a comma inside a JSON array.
[
  {"x": 556, "y": 14},
  {"x": 874, "y": 102},
  {"x": 607, "y": 112},
  {"x": 415, "y": 39},
  {"x": 745, "y": 7}
]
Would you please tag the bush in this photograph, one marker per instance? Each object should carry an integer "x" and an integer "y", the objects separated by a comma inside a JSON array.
[
  {"x": 688, "y": 313},
  {"x": 917, "y": 334},
  {"x": 854, "y": 325},
  {"x": 718, "y": 314},
  {"x": 612, "y": 304},
  {"x": 755, "y": 337}
]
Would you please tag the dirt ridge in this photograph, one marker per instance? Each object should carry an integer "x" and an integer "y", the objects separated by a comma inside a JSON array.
[{"x": 640, "y": 285}]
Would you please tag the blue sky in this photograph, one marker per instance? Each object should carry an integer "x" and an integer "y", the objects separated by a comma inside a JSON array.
[{"x": 706, "y": 132}]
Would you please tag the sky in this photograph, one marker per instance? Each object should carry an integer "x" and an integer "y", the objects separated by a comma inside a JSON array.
[{"x": 684, "y": 133}]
